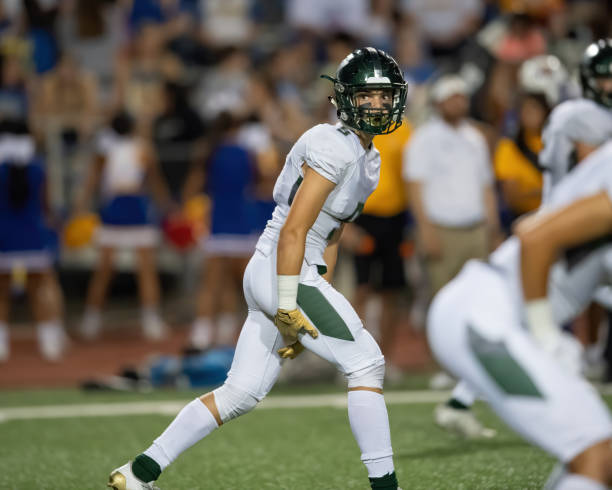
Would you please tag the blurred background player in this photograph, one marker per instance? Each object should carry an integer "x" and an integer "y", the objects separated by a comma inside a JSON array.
[
  {"x": 123, "y": 173},
  {"x": 565, "y": 146},
  {"x": 228, "y": 174},
  {"x": 542, "y": 80},
  {"x": 561, "y": 153},
  {"x": 23, "y": 240},
  {"x": 496, "y": 325}
]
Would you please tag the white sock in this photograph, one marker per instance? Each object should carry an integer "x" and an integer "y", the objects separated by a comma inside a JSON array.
[
  {"x": 370, "y": 425},
  {"x": 464, "y": 394},
  {"x": 193, "y": 423},
  {"x": 572, "y": 481},
  {"x": 202, "y": 333},
  {"x": 226, "y": 328}
]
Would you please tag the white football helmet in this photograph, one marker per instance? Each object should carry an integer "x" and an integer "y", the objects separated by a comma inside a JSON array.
[{"x": 544, "y": 75}]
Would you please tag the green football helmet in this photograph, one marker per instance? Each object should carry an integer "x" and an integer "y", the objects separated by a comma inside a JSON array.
[
  {"x": 369, "y": 69},
  {"x": 596, "y": 64}
]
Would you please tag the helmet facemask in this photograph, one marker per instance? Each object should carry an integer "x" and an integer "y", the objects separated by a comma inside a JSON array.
[
  {"x": 595, "y": 67},
  {"x": 379, "y": 120},
  {"x": 363, "y": 70},
  {"x": 594, "y": 91}
]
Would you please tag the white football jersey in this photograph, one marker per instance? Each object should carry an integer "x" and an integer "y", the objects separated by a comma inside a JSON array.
[
  {"x": 575, "y": 277},
  {"x": 335, "y": 152},
  {"x": 566, "y": 121}
]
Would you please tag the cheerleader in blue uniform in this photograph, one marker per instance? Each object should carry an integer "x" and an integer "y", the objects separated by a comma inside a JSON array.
[
  {"x": 23, "y": 240},
  {"x": 125, "y": 164},
  {"x": 228, "y": 175}
]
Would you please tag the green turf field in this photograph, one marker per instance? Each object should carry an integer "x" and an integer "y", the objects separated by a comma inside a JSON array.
[{"x": 291, "y": 449}]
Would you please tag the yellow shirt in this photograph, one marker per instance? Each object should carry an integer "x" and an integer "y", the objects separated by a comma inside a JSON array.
[
  {"x": 511, "y": 164},
  {"x": 389, "y": 198}
]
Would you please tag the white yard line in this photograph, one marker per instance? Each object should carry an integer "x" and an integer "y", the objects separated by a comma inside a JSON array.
[
  {"x": 113, "y": 409},
  {"x": 172, "y": 407}
]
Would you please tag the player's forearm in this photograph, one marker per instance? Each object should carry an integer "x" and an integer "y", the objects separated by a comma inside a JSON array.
[
  {"x": 543, "y": 236},
  {"x": 289, "y": 258},
  {"x": 536, "y": 261},
  {"x": 290, "y": 251}
]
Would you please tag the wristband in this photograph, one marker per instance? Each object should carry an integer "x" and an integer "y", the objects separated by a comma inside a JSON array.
[
  {"x": 287, "y": 292},
  {"x": 541, "y": 322}
]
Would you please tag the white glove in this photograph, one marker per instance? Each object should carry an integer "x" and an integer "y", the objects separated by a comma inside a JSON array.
[{"x": 562, "y": 346}]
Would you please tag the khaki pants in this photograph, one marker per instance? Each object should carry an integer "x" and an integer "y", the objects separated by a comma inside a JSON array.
[{"x": 458, "y": 246}]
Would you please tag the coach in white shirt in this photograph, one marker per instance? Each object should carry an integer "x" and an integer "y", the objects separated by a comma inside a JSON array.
[{"x": 450, "y": 184}]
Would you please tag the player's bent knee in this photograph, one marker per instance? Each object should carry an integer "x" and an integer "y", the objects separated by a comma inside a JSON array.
[
  {"x": 233, "y": 401},
  {"x": 370, "y": 377}
]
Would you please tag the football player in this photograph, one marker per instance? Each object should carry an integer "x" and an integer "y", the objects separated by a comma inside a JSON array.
[
  {"x": 495, "y": 326},
  {"x": 564, "y": 148},
  {"x": 327, "y": 176},
  {"x": 562, "y": 151}
]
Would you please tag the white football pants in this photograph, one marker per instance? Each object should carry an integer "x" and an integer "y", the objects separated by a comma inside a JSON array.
[
  {"x": 342, "y": 338},
  {"x": 474, "y": 331}
]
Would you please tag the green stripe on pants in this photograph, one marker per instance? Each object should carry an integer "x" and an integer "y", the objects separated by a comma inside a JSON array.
[
  {"x": 497, "y": 361},
  {"x": 322, "y": 313}
]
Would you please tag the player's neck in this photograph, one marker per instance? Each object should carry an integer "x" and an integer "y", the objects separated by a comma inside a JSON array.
[{"x": 365, "y": 139}]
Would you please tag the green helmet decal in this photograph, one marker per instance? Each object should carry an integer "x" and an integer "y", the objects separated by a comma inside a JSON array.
[
  {"x": 369, "y": 69},
  {"x": 596, "y": 64}
]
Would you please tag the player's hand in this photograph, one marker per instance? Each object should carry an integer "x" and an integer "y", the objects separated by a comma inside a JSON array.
[
  {"x": 291, "y": 351},
  {"x": 290, "y": 323}
]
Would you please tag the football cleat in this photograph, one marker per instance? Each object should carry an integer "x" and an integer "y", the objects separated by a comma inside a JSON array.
[
  {"x": 123, "y": 479},
  {"x": 462, "y": 422}
]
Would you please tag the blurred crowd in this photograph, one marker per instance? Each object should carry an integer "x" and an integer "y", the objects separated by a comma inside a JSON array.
[{"x": 170, "y": 120}]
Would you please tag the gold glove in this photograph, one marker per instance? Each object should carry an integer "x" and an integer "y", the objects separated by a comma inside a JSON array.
[
  {"x": 290, "y": 323},
  {"x": 291, "y": 351}
]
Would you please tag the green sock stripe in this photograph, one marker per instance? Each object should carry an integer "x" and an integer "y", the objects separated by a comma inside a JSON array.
[
  {"x": 145, "y": 468},
  {"x": 454, "y": 403},
  {"x": 387, "y": 482}
]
